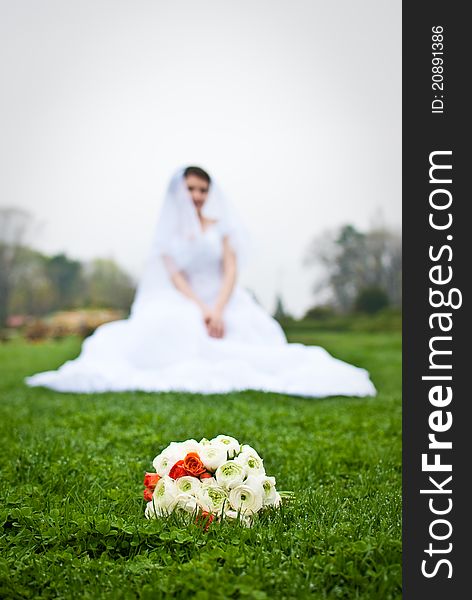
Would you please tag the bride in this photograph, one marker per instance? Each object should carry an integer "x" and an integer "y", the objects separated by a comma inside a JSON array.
[{"x": 192, "y": 327}]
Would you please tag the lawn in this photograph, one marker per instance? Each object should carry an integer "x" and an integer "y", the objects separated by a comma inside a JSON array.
[{"x": 71, "y": 487}]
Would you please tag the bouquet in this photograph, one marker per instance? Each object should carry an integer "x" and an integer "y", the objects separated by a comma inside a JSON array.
[{"x": 215, "y": 479}]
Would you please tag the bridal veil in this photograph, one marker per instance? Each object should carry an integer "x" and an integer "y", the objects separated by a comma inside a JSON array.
[{"x": 177, "y": 223}]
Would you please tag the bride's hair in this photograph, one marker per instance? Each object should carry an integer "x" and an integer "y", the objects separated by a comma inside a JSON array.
[{"x": 198, "y": 172}]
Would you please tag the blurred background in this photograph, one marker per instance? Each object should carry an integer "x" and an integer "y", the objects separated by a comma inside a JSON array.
[{"x": 294, "y": 107}]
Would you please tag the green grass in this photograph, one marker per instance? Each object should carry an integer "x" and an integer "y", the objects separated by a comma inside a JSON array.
[{"x": 71, "y": 487}]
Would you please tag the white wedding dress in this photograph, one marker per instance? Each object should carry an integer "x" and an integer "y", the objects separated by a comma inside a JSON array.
[{"x": 164, "y": 345}]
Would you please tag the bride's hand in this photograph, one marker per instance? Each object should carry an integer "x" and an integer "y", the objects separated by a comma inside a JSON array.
[
  {"x": 206, "y": 313},
  {"x": 208, "y": 317},
  {"x": 213, "y": 319},
  {"x": 215, "y": 324}
]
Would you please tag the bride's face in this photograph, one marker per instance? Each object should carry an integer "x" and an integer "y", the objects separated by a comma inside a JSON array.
[{"x": 198, "y": 189}]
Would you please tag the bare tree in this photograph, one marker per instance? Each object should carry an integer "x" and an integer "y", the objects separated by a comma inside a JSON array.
[
  {"x": 14, "y": 226},
  {"x": 33, "y": 292}
]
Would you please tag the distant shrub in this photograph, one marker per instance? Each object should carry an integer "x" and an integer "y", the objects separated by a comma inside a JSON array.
[
  {"x": 5, "y": 335},
  {"x": 371, "y": 300},
  {"x": 320, "y": 313},
  {"x": 36, "y": 330},
  {"x": 62, "y": 324},
  {"x": 86, "y": 329},
  {"x": 388, "y": 319}
]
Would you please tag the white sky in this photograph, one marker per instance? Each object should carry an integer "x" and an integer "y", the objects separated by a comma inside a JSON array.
[{"x": 294, "y": 106}]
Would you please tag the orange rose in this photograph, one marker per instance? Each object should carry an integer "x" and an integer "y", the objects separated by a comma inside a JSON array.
[
  {"x": 148, "y": 494},
  {"x": 205, "y": 519},
  {"x": 150, "y": 482},
  {"x": 151, "y": 479},
  {"x": 205, "y": 475},
  {"x": 178, "y": 470},
  {"x": 193, "y": 465}
]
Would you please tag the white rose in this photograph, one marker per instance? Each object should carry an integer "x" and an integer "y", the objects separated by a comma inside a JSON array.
[
  {"x": 164, "y": 495},
  {"x": 268, "y": 487},
  {"x": 181, "y": 449},
  {"x": 208, "y": 482},
  {"x": 214, "y": 497},
  {"x": 174, "y": 452},
  {"x": 231, "y": 444},
  {"x": 249, "y": 449},
  {"x": 251, "y": 462},
  {"x": 213, "y": 455},
  {"x": 245, "y": 520},
  {"x": 246, "y": 498},
  {"x": 188, "y": 485},
  {"x": 150, "y": 513},
  {"x": 164, "y": 461},
  {"x": 229, "y": 474},
  {"x": 191, "y": 446},
  {"x": 186, "y": 502}
]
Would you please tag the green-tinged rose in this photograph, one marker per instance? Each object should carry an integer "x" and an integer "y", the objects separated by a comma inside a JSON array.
[
  {"x": 229, "y": 474},
  {"x": 251, "y": 462},
  {"x": 231, "y": 444},
  {"x": 215, "y": 497},
  {"x": 163, "y": 497},
  {"x": 188, "y": 485},
  {"x": 270, "y": 497}
]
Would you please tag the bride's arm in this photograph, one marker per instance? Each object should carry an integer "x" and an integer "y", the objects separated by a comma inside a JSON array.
[
  {"x": 215, "y": 325},
  {"x": 180, "y": 282},
  {"x": 229, "y": 276}
]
